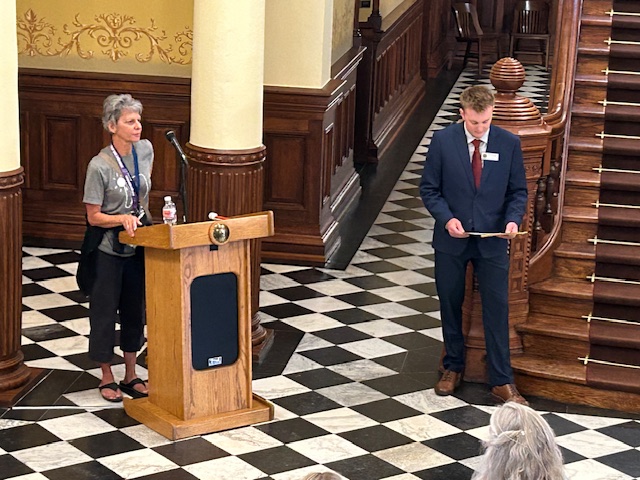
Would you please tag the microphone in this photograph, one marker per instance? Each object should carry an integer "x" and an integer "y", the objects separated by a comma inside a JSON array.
[{"x": 171, "y": 136}]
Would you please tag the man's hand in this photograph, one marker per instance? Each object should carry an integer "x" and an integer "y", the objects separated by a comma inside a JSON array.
[
  {"x": 455, "y": 229},
  {"x": 510, "y": 230}
]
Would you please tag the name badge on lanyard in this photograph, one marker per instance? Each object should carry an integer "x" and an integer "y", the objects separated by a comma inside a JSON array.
[{"x": 132, "y": 183}]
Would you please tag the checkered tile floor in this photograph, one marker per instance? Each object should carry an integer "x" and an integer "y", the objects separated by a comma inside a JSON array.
[{"x": 351, "y": 375}]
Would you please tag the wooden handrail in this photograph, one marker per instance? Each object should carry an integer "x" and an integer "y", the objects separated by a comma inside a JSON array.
[{"x": 557, "y": 117}]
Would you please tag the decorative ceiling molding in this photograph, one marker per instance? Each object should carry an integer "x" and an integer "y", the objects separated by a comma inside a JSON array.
[{"x": 116, "y": 36}]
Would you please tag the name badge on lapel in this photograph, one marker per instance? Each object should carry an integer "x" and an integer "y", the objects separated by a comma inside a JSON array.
[{"x": 491, "y": 157}]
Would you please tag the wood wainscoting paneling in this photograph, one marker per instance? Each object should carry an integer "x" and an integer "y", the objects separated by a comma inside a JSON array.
[
  {"x": 438, "y": 37},
  {"x": 61, "y": 130},
  {"x": 310, "y": 179},
  {"x": 390, "y": 85}
]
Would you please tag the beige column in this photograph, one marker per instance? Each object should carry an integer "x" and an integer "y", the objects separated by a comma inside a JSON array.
[
  {"x": 225, "y": 151},
  {"x": 15, "y": 377}
]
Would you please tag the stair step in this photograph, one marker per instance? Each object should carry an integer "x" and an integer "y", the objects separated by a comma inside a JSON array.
[
  {"x": 555, "y": 326},
  {"x": 584, "y": 251},
  {"x": 582, "y": 188},
  {"x": 563, "y": 370},
  {"x": 586, "y": 144},
  {"x": 596, "y": 20},
  {"x": 564, "y": 288},
  {"x": 583, "y": 179},
  {"x": 580, "y": 214},
  {"x": 591, "y": 80},
  {"x": 588, "y": 110},
  {"x": 628, "y": 182},
  {"x": 622, "y": 254},
  {"x": 566, "y": 381}
]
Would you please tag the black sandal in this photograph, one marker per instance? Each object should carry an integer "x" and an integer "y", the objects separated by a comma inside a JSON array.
[
  {"x": 132, "y": 392},
  {"x": 110, "y": 386}
]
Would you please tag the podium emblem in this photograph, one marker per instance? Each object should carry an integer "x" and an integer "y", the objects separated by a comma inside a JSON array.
[{"x": 219, "y": 233}]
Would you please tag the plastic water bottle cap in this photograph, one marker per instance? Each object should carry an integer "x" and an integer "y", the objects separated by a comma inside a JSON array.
[{"x": 167, "y": 198}]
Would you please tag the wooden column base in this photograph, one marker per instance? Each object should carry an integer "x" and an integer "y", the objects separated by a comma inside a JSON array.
[
  {"x": 173, "y": 428},
  {"x": 260, "y": 350},
  {"x": 8, "y": 398}
]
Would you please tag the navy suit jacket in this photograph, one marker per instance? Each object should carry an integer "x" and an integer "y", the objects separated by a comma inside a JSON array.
[{"x": 448, "y": 190}]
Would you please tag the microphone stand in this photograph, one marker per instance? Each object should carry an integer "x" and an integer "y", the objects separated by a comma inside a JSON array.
[
  {"x": 183, "y": 191},
  {"x": 182, "y": 158}
]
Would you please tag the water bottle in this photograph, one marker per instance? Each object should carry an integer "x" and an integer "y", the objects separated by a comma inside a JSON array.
[{"x": 169, "y": 214}]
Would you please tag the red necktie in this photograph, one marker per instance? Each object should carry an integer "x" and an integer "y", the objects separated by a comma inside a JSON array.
[{"x": 476, "y": 162}]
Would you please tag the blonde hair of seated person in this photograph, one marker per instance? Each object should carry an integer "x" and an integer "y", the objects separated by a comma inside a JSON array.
[
  {"x": 323, "y": 476},
  {"x": 521, "y": 446}
]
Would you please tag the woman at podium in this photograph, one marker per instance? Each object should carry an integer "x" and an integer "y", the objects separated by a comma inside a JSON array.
[{"x": 116, "y": 196}]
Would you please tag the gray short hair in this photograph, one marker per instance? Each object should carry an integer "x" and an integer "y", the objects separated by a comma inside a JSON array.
[
  {"x": 114, "y": 105},
  {"x": 521, "y": 446}
]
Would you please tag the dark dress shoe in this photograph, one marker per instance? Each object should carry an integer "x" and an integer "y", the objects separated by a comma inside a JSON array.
[
  {"x": 448, "y": 383},
  {"x": 508, "y": 393}
]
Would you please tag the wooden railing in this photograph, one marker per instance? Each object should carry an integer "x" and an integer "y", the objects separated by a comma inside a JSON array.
[{"x": 549, "y": 195}]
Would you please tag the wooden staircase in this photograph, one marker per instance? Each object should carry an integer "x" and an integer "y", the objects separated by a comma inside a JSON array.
[{"x": 570, "y": 354}]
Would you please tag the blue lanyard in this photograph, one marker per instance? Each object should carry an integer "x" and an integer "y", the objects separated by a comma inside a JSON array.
[{"x": 134, "y": 183}]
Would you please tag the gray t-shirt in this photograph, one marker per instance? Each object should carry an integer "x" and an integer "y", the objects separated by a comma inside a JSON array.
[{"x": 105, "y": 186}]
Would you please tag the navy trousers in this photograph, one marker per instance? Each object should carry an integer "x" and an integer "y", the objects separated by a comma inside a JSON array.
[{"x": 493, "y": 283}]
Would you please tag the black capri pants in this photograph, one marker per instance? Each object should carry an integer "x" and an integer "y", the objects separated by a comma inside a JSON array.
[{"x": 117, "y": 295}]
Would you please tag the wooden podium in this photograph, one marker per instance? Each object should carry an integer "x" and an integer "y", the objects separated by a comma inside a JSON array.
[{"x": 214, "y": 257}]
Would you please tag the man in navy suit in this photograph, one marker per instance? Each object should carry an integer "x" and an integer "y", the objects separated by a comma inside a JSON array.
[{"x": 474, "y": 181}]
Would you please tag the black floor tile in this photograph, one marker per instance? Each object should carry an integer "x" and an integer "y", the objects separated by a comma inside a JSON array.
[
  {"x": 62, "y": 258},
  {"x": 395, "y": 385},
  {"x": 10, "y": 467},
  {"x": 366, "y": 467},
  {"x": 393, "y": 239},
  {"x": 177, "y": 474},
  {"x": 276, "y": 460},
  {"x": 400, "y": 227},
  {"x": 464, "y": 418},
  {"x": 412, "y": 340},
  {"x": 306, "y": 403},
  {"x": 376, "y": 438},
  {"x": 297, "y": 293},
  {"x": 380, "y": 267},
  {"x": 387, "y": 252},
  {"x": 386, "y": 410},
  {"x": 451, "y": 471},
  {"x": 370, "y": 282},
  {"x": 60, "y": 314},
  {"x": 319, "y": 378},
  {"x": 192, "y": 450},
  {"x": 292, "y": 430},
  {"x": 47, "y": 273},
  {"x": 106, "y": 444},
  {"x": 82, "y": 471},
  {"x": 627, "y": 462},
  {"x": 352, "y": 316},
  {"x": 32, "y": 289},
  {"x": 426, "y": 304},
  {"x": 361, "y": 299},
  {"x": 309, "y": 276},
  {"x": 417, "y": 322},
  {"x": 47, "y": 332},
  {"x": 285, "y": 310},
  {"x": 25, "y": 436},
  {"x": 458, "y": 446},
  {"x": 330, "y": 356},
  {"x": 342, "y": 335},
  {"x": 628, "y": 433}
]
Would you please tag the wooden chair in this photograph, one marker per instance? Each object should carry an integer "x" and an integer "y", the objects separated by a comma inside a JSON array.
[
  {"x": 469, "y": 32},
  {"x": 531, "y": 23}
]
